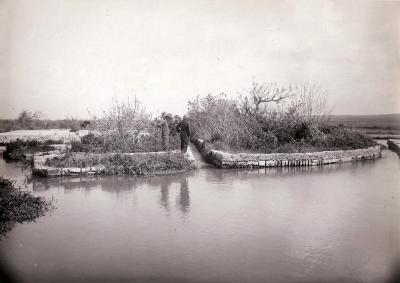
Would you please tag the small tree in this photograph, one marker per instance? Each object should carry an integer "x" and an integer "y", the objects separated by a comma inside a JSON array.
[
  {"x": 123, "y": 125},
  {"x": 27, "y": 119},
  {"x": 214, "y": 117}
]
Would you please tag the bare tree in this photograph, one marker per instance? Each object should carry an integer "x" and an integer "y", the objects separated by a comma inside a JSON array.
[{"x": 261, "y": 94}]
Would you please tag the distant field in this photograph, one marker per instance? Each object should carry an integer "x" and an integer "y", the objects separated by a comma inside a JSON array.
[
  {"x": 371, "y": 124},
  {"x": 7, "y": 125}
]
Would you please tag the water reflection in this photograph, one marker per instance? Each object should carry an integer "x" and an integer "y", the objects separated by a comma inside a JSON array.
[
  {"x": 164, "y": 199},
  {"x": 184, "y": 196},
  {"x": 118, "y": 184},
  {"x": 224, "y": 175}
]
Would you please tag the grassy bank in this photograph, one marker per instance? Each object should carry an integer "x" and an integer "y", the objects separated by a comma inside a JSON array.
[
  {"x": 18, "y": 206},
  {"x": 139, "y": 164}
]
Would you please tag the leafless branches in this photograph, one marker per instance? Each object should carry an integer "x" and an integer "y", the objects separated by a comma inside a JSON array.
[{"x": 261, "y": 94}]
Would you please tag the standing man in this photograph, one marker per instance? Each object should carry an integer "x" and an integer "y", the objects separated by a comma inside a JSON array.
[{"x": 183, "y": 128}]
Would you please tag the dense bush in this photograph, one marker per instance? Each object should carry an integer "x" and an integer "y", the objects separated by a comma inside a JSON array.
[
  {"x": 88, "y": 143},
  {"x": 215, "y": 117},
  {"x": 18, "y": 149},
  {"x": 340, "y": 137},
  {"x": 128, "y": 127},
  {"x": 123, "y": 125},
  {"x": 18, "y": 206},
  {"x": 270, "y": 118}
]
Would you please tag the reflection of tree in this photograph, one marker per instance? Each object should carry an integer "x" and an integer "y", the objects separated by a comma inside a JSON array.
[
  {"x": 113, "y": 184},
  {"x": 184, "y": 197},
  {"x": 116, "y": 184},
  {"x": 68, "y": 183},
  {"x": 164, "y": 199},
  {"x": 183, "y": 200}
]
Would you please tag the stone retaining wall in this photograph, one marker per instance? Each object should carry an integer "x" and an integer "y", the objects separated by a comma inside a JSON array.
[
  {"x": 249, "y": 160},
  {"x": 40, "y": 169}
]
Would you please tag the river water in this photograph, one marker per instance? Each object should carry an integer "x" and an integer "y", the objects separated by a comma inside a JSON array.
[{"x": 335, "y": 223}]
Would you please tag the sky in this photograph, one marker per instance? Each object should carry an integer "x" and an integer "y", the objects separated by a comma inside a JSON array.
[{"x": 71, "y": 58}]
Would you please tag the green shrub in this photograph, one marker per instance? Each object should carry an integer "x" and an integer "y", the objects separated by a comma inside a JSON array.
[
  {"x": 18, "y": 206},
  {"x": 88, "y": 143},
  {"x": 340, "y": 137},
  {"x": 18, "y": 149},
  {"x": 74, "y": 128},
  {"x": 14, "y": 151},
  {"x": 77, "y": 146},
  {"x": 127, "y": 127}
]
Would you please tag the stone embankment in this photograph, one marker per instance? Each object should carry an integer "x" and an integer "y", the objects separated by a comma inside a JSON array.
[
  {"x": 39, "y": 167},
  {"x": 394, "y": 145},
  {"x": 252, "y": 160}
]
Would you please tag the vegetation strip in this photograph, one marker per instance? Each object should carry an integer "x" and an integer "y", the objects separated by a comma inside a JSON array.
[{"x": 18, "y": 206}]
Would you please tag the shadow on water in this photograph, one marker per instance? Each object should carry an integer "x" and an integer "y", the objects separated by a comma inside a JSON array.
[
  {"x": 8, "y": 276},
  {"x": 395, "y": 273}
]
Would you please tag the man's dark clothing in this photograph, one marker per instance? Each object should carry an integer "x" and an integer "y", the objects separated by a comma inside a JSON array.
[{"x": 183, "y": 128}]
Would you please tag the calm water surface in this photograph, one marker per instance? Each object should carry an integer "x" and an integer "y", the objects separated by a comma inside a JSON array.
[{"x": 322, "y": 224}]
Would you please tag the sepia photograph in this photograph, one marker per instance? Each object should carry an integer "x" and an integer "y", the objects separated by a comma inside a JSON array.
[{"x": 199, "y": 141}]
